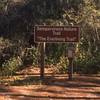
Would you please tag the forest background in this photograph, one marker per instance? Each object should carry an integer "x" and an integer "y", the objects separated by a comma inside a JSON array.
[{"x": 17, "y": 20}]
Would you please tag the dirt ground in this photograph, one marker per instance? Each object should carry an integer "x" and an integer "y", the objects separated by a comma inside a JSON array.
[{"x": 26, "y": 85}]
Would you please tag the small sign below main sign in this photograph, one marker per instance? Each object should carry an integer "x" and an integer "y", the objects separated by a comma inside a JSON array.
[{"x": 56, "y": 33}]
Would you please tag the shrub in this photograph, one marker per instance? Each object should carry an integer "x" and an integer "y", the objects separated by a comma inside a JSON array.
[
  {"x": 89, "y": 65},
  {"x": 30, "y": 56},
  {"x": 62, "y": 65},
  {"x": 10, "y": 66}
]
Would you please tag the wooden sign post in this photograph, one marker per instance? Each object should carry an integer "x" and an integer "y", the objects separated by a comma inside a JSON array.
[
  {"x": 42, "y": 60},
  {"x": 70, "y": 69},
  {"x": 71, "y": 54}
]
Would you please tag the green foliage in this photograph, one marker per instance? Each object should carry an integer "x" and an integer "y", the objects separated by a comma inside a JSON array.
[
  {"x": 10, "y": 66},
  {"x": 3, "y": 4},
  {"x": 49, "y": 61},
  {"x": 8, "y": 50},
  {"x": 30, "y": 57},
  {"x": 13, "y": 57},
  {"x": 87, "y": 65},
  {"x": 55, "y": 51},
  {"x": 62, "y": 65}
]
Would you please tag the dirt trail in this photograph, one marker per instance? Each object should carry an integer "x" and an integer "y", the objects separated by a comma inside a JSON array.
[{"x": 28, "y": 86}]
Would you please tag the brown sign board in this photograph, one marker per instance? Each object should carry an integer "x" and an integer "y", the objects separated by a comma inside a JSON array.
[{"x": 56, "y": 33}]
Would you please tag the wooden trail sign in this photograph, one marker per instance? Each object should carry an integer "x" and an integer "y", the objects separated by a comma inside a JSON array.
[{"x": 56, "y": 33}]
